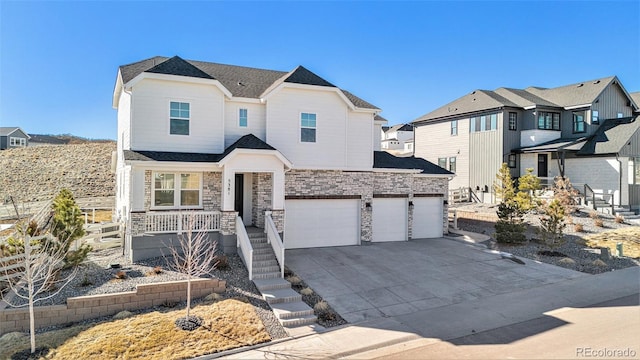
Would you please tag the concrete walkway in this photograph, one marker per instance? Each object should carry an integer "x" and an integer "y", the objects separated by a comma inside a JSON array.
[{"x": 456, "y": 320}]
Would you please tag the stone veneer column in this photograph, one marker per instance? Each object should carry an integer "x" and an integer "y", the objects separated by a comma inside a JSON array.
[
  {"x": 136, "y": 224},
  {"x": 147, "y": 190},
  {"x": 228, "y": 222},
  {"x": 262, "y": 188},
  {"x": 212, "y": 191},
  {"x": 278, "y": 219}
]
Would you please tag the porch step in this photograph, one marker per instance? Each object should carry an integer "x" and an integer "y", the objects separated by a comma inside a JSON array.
[
  {"x": 291, "y": 310},
  {"x": 266, "y": 269},
  {"x": 258, "y": 240},
  {"x": 271, "y": 261},
  {"x": 270, "y": 275},
  {"x": 281, "y": 296},
  {"x": 299, "y": 321},
  {"x": 263, "y": 257},
  {"x": 260, "y": 245},
  {"x": 271, "y": 284}
]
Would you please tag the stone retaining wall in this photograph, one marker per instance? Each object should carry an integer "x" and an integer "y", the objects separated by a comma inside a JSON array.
[
  {"x": 474, "y": 215},
  {"x": 94, "y": 306}
]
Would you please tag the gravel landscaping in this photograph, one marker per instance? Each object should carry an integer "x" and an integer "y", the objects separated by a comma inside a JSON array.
[
  {"x": 573, "y": 254},
  {"x": 96, "y": 276}
]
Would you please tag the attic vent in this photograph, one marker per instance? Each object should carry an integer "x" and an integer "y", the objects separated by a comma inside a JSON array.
[
  {"x": 580, "y": 85},
  {"x": 597, "y": 82},
  {"x": 473, "y": 93},
  {"x": 240, "y": 83}
]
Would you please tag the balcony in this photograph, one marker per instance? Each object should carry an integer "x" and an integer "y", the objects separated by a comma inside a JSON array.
[{"x": 537, "y": 137}]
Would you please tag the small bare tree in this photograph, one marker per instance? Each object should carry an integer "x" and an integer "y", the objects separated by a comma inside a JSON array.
[
  {"x": 38, "y": 276},
  {"x": 193, "y": 255}
]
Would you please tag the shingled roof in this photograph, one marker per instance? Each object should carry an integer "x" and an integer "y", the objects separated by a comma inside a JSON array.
[
  {"x": 249, "y": 141},
  {"x": 239, "y": 80},
  {"x": 384, "y": 160},
  {"x": 485, "y": 100},
  {"x": 611, "y": 136}
]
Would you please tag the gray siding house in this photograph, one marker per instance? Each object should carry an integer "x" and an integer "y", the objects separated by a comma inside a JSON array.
[
  {"x": 586, "y": 131},
  {"x": 13, "y": 137}
]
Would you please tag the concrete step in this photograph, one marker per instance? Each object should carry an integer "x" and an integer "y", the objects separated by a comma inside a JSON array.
[
  {"x": 291, "y": 310},
  {"x": 625, "y": 213},
  {"x": 631, "y": 217},
  {"x": 255, "y": 235},
  {"x": 260, "y": 245},
  {"x": 265, "y": 263},
  {"x": 299, "y": 321},
  {"x": 260, "y": 240},
  {"x": 265, "y": 269},
  {"x": 281, "y": 296},
  {"x": 271, "y": 284},
  {"x": 271, "y": 275}
]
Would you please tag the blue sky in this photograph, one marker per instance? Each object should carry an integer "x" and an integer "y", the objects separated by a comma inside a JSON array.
[{"x": 59, "y": 60}]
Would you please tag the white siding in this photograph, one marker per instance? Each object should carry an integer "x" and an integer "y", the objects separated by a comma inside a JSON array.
[
  {"x": 359, "y": 151},
  {"x": 283, "y": 127},
  {"x": 377, "y": 136},
  {"x": 150, "y": 112},
  {"x": 137, "y": 189},
  {"x": 255, "y": 121},
  {"x": 434, "y": 141},
  {"x": 602, "y": 174},
  {"x": 124, "y": 119},
  {"x": 528, "y": 161}
]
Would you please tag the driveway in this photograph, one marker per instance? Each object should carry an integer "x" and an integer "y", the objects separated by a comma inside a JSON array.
[{"x": 394, "y": 279}]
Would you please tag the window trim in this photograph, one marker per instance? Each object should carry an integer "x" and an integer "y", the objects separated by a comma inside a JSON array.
[
  {"x": 515, "y": 121},
  {"x": 483, "y": 123},
  {"x": 180, "y": 118},
  {"x": 595, "y": 117},
  {"x": 454, "y": 128},
  {"x": 21, "y": 142},
  {"x": 445, "y": 162},
  {"x": 177, "y": 187},
  {"x": 246, "y": 117},
  {"x": 551, "y": 121},
  {"x": 315, "y": 128}
]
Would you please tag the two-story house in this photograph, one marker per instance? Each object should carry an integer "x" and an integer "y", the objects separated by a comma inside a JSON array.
[
  {"x": 270, "y": 149},
  {"x": 395, "y": 137},
  {"x": 587, "y": 132}
]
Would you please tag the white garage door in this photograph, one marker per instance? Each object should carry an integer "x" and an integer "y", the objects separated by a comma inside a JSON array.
[
  {"x": 318, "y": 223},
  {"x": 389, "y": 219},
  {"x": 427, "y": 217}
]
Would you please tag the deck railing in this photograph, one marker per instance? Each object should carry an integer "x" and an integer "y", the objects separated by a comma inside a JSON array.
[
  {"x": 274, "y": 239},
  {"x": 244, "y": 244},
  {"x": 177, "y": 221}
]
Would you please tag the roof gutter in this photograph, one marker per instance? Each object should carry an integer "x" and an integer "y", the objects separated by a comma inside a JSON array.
[{"x": 573, "y": 107}]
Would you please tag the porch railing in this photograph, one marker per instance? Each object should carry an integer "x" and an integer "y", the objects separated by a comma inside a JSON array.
[
  {"x": 177, "y": 221},
  {"x": 598, "y": 199},
  {"x": 274, "y": 239},
  {"x": 244, "y": 244}
]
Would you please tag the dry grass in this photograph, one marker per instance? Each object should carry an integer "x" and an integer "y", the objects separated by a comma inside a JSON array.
[
  {"x": 227, "y": 324},
  {"x": 629, "y": 237},
  {"x": 101, "y": 216}
]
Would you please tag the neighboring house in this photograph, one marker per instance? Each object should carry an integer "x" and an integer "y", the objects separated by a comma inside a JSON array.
[
  {"x": 587, "y": 132},
  {"x": 46, "y": 140},
  {"x": 13, "y": 137},
  {"x": 277, "y": 150},
  {"x": 395, "y": 137}
]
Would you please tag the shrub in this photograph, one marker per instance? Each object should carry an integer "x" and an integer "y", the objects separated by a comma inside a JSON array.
[
  {"x": 86, "y": 281},
  {"x": 213, "y": 297},
  {"x": 619, "y": 219},
  {"x": 565, "y": 194},
  {"x": 578, "y": 228},
  {"x": 222, "y": 262},
  {"x": 121, "y": 275},
  {"x": 77, "y": 257},
  {"x": 552, "y": 224},
  {"x": 67, "y": 227},
  {"x": 294, "y": 280},
  {"x": 528, "y": 184},
  {"x": 321, "y": 306},
  {"x": 510, "y": 227},
  {"x": 569, "y": 220},
  {"x": 157, "y": 270},
  {"x": 567, "y": 261},
  {"x": 594, "y": 215},
  {"x": 306, "y": 291},
  {"x": 598, "y": 222}
]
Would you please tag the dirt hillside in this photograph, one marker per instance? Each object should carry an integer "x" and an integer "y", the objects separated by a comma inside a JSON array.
[{"x": 38, "y": 173}]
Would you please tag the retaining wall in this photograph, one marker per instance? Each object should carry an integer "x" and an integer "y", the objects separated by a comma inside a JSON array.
[{"x": 94, "y": 306}]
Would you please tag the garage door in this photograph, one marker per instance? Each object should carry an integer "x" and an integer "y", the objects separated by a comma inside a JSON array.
[
  {"x": 389, "y": 219},
  {"x": 427, "y": 217},
  {"x": 318, "y": 223}
]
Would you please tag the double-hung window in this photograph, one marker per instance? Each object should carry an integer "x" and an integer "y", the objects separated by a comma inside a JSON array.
[
  {"x": 513, "y": 121},
  {"x": 595, "y": 117},
  {"x": 578, "y": 122},
  {"x": 454, "y": 127},
  {"x": 177, "y": 190},
  {"x": 442, "y": 162},
  {"x": 512, "y": 160},
  {"x": 16, "y": 141},
  {"x": 242, "y": 118},
  {"x": 452, "y": 164},
  {"x": 548, "y": 120},
  {"x": 179, "y": 118},
  {"x": 308, "y": 127}
]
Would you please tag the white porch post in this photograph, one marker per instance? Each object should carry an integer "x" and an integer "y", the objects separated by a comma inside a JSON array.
[
  {"x": 277, "y": 194},
  {"x": 228, "y": 189}
]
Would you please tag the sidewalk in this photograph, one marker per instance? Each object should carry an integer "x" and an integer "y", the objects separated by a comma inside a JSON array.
[{"x": 456, "y": 320}]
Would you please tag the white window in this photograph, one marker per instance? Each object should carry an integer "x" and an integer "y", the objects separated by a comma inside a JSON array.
[
  {"x": 307, "y": 127},
  {"x": 452, "y": 164},
  {"x": 179, "y": 118},
  {"x": 620, "y": 115},
  {"x": 242, "y": 118},
  {"x": 454, "y": 127},
  {"x": 442, "y": 162},
  {"x": 594, "y": 117},
  {"x": 16, "y": 141},
  {"x": 177, "y": 190}
]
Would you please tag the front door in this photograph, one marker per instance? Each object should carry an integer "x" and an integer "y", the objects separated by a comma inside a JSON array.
[
  {"x": 239, "y": 196},
  {"x": 543, "y": 165}
]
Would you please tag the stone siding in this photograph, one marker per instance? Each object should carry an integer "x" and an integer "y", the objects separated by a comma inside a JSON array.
[
  {"x": 278, "y": 219},
  {"x": 395, "y": 183},
  {"x": 228, "y": 222},
  {"x": 95, "y": 306},
  {"x": 147, "y": 190},
  {"x": 212, "y": 191},
  {"x": 262, "y": 188}
]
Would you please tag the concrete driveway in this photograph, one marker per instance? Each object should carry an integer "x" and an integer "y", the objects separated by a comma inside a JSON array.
[{"x": 400, "y": 278}]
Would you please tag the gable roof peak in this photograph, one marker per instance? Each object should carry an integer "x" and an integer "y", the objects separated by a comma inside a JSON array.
[
  {"x": 178, "y": 66},
  {"x": 302, "y": 75}
]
